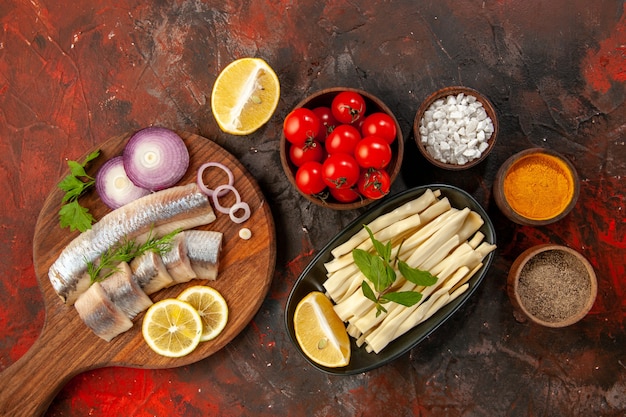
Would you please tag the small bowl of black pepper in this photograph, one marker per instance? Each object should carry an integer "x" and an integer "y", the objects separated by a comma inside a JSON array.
[{"x": 551, "y": 285}]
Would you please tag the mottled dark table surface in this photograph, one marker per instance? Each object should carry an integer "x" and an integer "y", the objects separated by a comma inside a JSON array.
[{"x": 73, "y": 74}]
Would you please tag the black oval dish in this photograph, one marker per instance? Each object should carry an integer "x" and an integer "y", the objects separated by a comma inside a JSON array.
[{"x": 314, "y": 275}]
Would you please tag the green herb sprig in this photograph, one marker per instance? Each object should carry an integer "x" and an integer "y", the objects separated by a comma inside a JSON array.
[
  {"x": 128, "y": 250},
  {"x": 72, "y": 214},
  {"x": 379, "y": 269}
]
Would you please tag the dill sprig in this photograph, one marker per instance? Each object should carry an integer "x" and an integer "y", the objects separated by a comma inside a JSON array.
[{"x": 128, "y": 250}]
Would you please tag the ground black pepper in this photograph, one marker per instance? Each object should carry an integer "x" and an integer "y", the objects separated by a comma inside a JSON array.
[{"x": 554, "y": 286}]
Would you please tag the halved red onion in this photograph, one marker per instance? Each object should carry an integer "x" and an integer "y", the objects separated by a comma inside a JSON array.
[
  {"x": 218, "y": 193},
  {"x": 113, "y": 185},
  {"x": 200, "y": 179},
  {"x": 235, "y": 208},
  {"x": 155, "y": 158}
]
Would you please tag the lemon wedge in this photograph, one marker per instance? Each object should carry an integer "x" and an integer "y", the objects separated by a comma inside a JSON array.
[
  {"x": 245, "y": 96},
  {"x": 321, "y": 334},
  {"x": 211, "y": 306},
  {"x": 172, "y": 328}
]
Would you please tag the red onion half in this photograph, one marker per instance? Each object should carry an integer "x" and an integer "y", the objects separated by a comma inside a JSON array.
[
  {"x": 155, "y": 158},
  {"x": 113, "y": 185}
]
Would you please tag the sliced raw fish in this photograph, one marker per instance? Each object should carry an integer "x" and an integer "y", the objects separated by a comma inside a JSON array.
[
  {"x": 150, "y": 272},
  {"x": 177, "y": 262},
  {"x": 125, "y": 293},
  {"x": 100, "y": 314},
  {"x": 181, "y": 207},
  {"x": 203, "y": 250}
]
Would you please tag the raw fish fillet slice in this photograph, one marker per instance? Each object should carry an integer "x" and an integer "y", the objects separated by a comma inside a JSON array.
[
  {"x": 203, "y": 250},
  {"x": 125, "y": 293},
  {"x": 100, "y": 314},
  {"x": 150, "y": 273},
  {"x": 183, "y": 207},
  {"x": 177, "y": 262}
]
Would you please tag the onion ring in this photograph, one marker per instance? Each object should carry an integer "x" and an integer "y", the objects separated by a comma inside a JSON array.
[
  {"x": 216, "y": 194},
  {"x": 236, "y": 207},
  {"x": 204, "y": 188}
]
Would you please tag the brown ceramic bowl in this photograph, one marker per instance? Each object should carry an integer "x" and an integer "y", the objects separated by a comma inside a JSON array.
[
  {"x": 551, "y": 285},
  {"x": 325, "y": 98},
  {"x": 443, "y": 94},
  {"x": 507, "y": 201}
]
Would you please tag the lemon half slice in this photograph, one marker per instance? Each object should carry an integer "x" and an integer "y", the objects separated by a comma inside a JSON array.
[
  {"x": 172, "y": 328},
  {"x": 211, "y": 306},
  {"x": 245, "y": 96},
  {"x": 321, "y": 334}
]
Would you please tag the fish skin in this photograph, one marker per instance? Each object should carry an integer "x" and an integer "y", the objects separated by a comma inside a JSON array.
[
  {"x": 150, "y": 272},
  {"x": 177, "y": 262},
  {"x": 124, "y": 291},
  {"x": 100, "y": 314},
  {"x": 158, "y": 213},
  {"x": 203, "y": 250}
]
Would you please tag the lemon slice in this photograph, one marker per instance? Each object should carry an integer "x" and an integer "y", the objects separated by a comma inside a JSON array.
[
  {"x": 211, "y": 306},
  {"x": 172, "y": 328},
  {"x": 245, "y": 96},
  {"x": 321, "y": 334}
]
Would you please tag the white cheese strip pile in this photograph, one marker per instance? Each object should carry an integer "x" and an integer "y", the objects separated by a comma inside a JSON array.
[
  {"x": 432, "y": 236},
  {"x": 456, "y": 129}
]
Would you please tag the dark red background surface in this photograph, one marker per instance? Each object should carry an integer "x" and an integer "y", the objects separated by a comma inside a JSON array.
[{"x": 73, "y": 74}]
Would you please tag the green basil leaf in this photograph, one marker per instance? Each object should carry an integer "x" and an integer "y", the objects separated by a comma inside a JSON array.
[
  {"x": 367, "y": 292},
  {"x": 380, "y": 274},
  {"x": 372, "y": 267},
  {"x": 390, "y": 275},
  {"x": 416, "y": 276},
  {"x": 406, "y": 298},
  {"x": 363, "y": 260},
  {"x": 380, "y": 309}
]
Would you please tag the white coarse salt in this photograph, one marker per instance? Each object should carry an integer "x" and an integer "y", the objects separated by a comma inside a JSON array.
[{"x": 456, "y": 129}]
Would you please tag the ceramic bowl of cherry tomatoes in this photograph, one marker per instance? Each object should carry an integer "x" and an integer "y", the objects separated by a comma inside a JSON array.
[{"x": 341, "y": 148}]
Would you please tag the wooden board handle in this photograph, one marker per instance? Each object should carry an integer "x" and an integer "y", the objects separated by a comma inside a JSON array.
[
  {"x": 30, "y": 384},
  {"x": 67, "y": 346}
]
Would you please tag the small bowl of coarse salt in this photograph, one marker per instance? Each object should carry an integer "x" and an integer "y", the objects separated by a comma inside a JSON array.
[
  {"x": 455, "y": 128},
  {"x": 551, "y": 285}
]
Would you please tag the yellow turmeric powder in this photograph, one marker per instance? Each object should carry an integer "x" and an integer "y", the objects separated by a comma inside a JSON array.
[{"x": 539, "y": 186}]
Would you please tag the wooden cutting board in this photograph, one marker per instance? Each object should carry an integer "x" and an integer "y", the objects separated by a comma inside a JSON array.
[{"x": 67, "y": 347}]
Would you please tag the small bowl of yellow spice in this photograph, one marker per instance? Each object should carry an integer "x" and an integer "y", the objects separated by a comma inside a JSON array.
[{"x": 536, "y": 187}]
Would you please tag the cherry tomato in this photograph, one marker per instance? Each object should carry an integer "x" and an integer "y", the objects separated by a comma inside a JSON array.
[
  {"x": 340, "y": 170},
  {"x": 310, "y": 151},
  {"x": 301, "y": 125},
  {"x": 327, "y": 120},
  {"x": 381, "y": 125},
  {"x": 309, "y": 178},
  {"x": 348, "y": 107},
  {"x": 342, "y": 140},
  {"x": 344, "y": 195},
  {"x": 373, "y": 152},
  {"x": 374, "y": 183}
]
